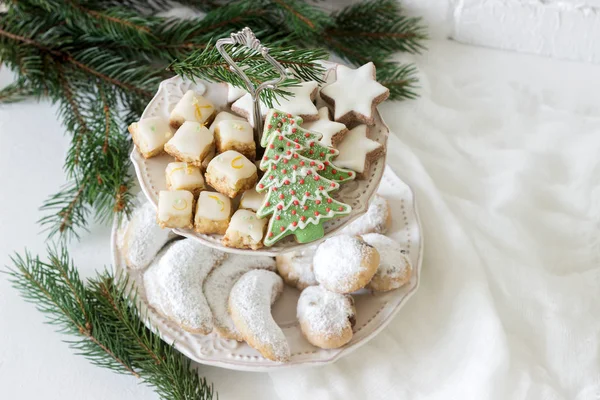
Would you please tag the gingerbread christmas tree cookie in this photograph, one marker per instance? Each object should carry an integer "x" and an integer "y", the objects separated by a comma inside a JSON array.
[{"x": 355, "y": 94}]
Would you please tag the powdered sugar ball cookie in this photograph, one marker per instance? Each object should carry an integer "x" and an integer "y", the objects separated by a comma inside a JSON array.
[
  {"x": 377, "y": 219},
  {"x": 344, "y": 264},
  {"x": 143, "y": 237},
  {"x": 394, "y": 267},
  {"x": 296, "y": 267},
  {"x": 250, "y": 303},
  {"x": 174, "y": 284},
  {"x": 326, "y": 318},
  {"x": 218, "y": 286}
]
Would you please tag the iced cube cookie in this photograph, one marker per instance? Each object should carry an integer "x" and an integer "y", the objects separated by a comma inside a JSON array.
[
  {"x": 245, "y": 231},
  {"x": 235, "y": 135},
  {"x": 175, "y": 209},
  {"x": 231, "y": 173},
  {"x": 184, "y": 176},
  {"x": 213, "y": 211},
  {"x": 192, "y": 143},
  {"x": 150, "y": 135},
  {"x": 224, "y": 116},
  {"x": 251, "y": 200},
  {"x": 191, "y": 107}
]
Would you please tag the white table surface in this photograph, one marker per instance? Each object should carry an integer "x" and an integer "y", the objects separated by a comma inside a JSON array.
[{"x": 502, "y": 150}]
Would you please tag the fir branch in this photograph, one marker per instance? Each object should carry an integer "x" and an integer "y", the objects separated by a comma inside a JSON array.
[
  {"x": 15, "y": 92},
  {"x": 107, "y": 329}
]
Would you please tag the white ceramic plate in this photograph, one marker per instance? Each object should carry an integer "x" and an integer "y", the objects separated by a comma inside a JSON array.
[
  {"x": 373, "y": 311},
  {"x": 151, "y": 172}
]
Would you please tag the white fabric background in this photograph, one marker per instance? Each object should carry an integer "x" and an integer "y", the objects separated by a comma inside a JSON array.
[{"x": 503, "y": 152}]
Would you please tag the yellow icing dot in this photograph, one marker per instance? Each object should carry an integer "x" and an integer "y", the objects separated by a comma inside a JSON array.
[
  {"x": 219, "y": 201},
  {"x": 180, "y": 204},
  {"x": 237, "y": 166},
  {"x": 238, "y": 127}
]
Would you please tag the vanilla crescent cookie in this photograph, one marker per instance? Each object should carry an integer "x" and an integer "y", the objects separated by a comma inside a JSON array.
[
  {"x": 143, "y": 237},
  {"x": 250, "y": 303},
  {"x": 174, "y": 284},
  {"x": 394, "y": 267},
  {"x": 345, "y": 264},
  {"x": 377, "y": 219},
  {"x": 296, "y": 267},
  {"x": 218, "y": 286},
  {"x": 326, "y": 318},
  {"x": 355, "y": 94}
]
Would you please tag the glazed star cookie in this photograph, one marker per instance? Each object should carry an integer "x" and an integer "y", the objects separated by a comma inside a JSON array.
[
  {"x": 192, "y": 143},
  {"x": 231, "y": 173},
  {"x": 333, "y": 132},
  {"x": 394, "y": 268},
  {"x": 213, "y": 211},
  {"x": 301, "y": 103},
  {"x": 245, "y": 231},
  {"x": 174, "y": 284},
  {"x": 150, "y": 135},
  {"x": 234, "y": 93},
  {"x": 184, "y": 176},
  {"x": 296, "y": 267},
  {"x": 344, "y": 264},
  {"x": 357, "y": 151},
  {"x": 175, "y": 209},
  {"x": 250, "y": 303},
  {"x": 326, "y": 318},
  {"x": 355, "y": 94},
  {"x": 191, "y": 107},
  {"x": 218, "y": 286},
  {"x": 377, "y": 219}
]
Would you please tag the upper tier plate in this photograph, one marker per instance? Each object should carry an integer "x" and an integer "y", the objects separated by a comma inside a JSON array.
[{"x": 151, "y": 172}]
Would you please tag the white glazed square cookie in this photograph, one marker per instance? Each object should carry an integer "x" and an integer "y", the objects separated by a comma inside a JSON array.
[
  {"x": 252, "y": 200},
  {"x": 224, "y": 116},
  {"x": 235, "y": 135},
  {"x": 231, "y": 173},
  {"x": 192, "y": 143},
  {"x": 213, "y": 211},
  {"x": 191, "y": 107},
  {"x": 184, "y": 176},
  {"x": 245, "y": 231},
  {"x": 150, "y": 135},
  {"x": 175, "y": 209}
]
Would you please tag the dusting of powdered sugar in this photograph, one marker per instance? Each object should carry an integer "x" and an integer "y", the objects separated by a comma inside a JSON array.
[
  {"x": 250, "y": 305},
  {"x": 393, "y": 264},
  {"x": 376, "y": 219},
  {"x": 143, "y": 238},
  {"x": 338, "y": 262},
  {"x": 325, "y": 313},
  {"x": 219, "y": 282},
  {"x": 297, "y": 266},
  {"x": 174, "y": 283}
]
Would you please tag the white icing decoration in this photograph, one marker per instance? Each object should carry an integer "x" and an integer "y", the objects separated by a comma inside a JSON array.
[
  {"x": 231, "y": 165},
  {"x": 247, "y": 224},
  {"x": 192, "y": 140},
  {"x": 252, "y": 200},
  {"x": 213, "y": 206},
  {"x": 354, "y": 90},
  {"x": 192, "y": 107},
  {"x": 234, "y": 93},
  {"x": 299, "y": 104},
  {"x": 224, "y": 116},
  {"x": 235, "y": 131},
  {"x": 181, "y": 175},
  {"x": 174, "y": 203},
  {"x": 325, "y": 126},
  {"x": 153, "y": 133},
  {"x": 354, "y": 149}
]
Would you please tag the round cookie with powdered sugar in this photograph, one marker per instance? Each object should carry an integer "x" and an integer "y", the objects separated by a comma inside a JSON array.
[
  {"x": 296, "y": 267},
  {"x": 326, "y": 318},
  {"x": 218, "y": 284},
  {"x": 174, "y": 284},
  {"x": 345, "y": 264},
  {"x": 377, "y": 219},
  {"x": 394, "y": 268},
  {"x": 355, "y": 94},
  {"x": 250, "y": 303}
]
